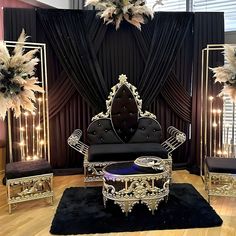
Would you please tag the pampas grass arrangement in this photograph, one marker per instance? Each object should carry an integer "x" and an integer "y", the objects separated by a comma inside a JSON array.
[
  {"x": 227, "y": 74},
  {"x": 114, "y": 11},
  {"x": 17, "y": 81}
]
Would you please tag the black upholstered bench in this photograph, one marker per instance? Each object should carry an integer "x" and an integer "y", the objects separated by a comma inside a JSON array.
[
  {"x": 220, "y": 176},
  {"x": 28, "y": 180}
]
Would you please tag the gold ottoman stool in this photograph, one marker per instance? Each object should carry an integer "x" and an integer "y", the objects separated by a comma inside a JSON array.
[
  {"x": 220, "y": 176},
  {"x": 28, "y": 180},
  {"x": 127, "y": 183}
]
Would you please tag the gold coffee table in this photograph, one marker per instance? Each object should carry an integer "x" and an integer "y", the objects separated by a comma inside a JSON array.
[{"x": 144, "y": 181}]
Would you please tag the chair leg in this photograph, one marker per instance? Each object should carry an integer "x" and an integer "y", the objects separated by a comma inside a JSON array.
[
  {"x": 206, "y": 181},
  {"x": 51, "y": 189},
  {"x": 9, "y": 208},
  {"x": 9, "y": 197},
  {"x": 51, "y": 201}
]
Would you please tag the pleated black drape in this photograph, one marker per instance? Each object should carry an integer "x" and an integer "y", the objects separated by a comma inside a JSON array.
[
  {"x": 67, "y": 34},
  {"x": 119, "y": 54},
  {"x": 67, "y": 109},
  {"x": 169, "y": 32},
  {"x": 85, "y": 58},
  {"x": 172, "y": 105},
  {"x": 177, "y": 97}
]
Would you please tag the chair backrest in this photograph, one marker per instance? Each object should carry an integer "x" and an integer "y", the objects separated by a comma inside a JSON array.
[{"x": 124, "y": 121}]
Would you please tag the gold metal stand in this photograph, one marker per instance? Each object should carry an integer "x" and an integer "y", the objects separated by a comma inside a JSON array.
[
  {"x": 204, "y": 124},
  {"x": 31, "y": 140},
  {"x": 27, "y": 122}
]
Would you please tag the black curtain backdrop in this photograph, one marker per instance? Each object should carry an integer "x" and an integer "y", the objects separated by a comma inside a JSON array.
[
  {"x": 85, "y": 58},
  {"x": 66, "y": 32}
]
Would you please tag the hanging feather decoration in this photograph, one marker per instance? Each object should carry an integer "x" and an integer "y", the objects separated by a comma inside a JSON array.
[
  {"x": 17, "y": 81},
  {"x": 114, "y": 11},
  {"x": 226, "y": 74}
]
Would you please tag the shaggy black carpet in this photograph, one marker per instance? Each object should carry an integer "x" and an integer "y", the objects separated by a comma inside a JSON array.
[{"x": 81, "y": 211}]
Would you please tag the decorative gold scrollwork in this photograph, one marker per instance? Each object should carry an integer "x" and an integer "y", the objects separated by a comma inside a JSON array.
[{"x": 128, "y": 190}]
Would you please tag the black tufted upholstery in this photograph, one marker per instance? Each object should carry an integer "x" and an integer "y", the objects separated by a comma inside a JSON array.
[
  {"x": 125, "y": 152},
  {"x": 124, "y": 114},
  {"x": 125, "y": 135},
  {"x": 101, "y": 131},
  {"x": 149, "y": 130}
]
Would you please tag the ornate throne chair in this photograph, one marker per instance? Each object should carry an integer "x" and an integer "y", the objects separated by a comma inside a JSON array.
[{"x": 123, "y": 133}]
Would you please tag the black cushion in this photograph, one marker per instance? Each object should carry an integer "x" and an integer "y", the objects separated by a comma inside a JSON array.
[
  {"x": 101, "y": 131},
  {"x": 221, "y": 165},
  {"x": 124, "y": 113},
  {"x": 149, "y": 130},
  {"x": 125, "y": 152},
  {"x": 27, "y": 168}
]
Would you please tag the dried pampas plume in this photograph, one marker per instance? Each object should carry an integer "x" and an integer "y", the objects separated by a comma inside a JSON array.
[
  {"x": 17, "y": 81},
  {"x": 114, "y": 11},
  {"x": 226, "y": 74}
]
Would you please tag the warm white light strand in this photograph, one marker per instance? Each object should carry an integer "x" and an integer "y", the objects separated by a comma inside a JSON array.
[
  {"x": 39, "y": 127},
  {"x": 211, "y": 102},
  {"x": 21, "y": 144},
  {"x": 26, "y": 134},
  {"x": 33, "y": 134},
  {"x": 219, "y": 130}
]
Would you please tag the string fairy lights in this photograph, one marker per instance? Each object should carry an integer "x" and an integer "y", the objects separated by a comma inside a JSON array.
[
  {"x": 27, "y": 117},
  {"x": 31, "y": 144},
  {"x": 219, "y": 143}
]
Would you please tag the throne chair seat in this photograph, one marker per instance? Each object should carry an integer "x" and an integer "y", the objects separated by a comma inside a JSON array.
[{"x": 123, "y": 133}]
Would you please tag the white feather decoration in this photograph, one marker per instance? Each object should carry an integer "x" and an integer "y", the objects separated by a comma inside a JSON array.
[
  {"x": 230, "y": 56},
  {"x": 114, "y": 11},
  {"x": 230, "y": 91},
  {"x": 17, "y": 84},
  {"x": 18, "y": 50},
  {"x": 4, "y": 54},
  {"x": 222, "y": 74},
  {"x": 227, "y": 74}
]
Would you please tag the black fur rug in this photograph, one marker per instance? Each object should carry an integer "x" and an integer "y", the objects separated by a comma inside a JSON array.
[{"x": 81, "y": 211}]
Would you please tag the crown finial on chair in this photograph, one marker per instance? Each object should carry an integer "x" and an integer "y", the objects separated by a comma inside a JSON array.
[{"x": 122, "y": 78}]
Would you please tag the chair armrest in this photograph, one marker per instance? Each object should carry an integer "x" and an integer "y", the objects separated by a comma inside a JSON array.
[
  {"x": 74, "y": 142},
  {"x": 176, "y": 139}
]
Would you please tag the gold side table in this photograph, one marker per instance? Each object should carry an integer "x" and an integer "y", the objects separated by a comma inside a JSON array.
[{"x": 128, "y": 184}]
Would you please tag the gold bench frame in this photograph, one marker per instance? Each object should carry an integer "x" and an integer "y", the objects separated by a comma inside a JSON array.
[
  {"x": 29, "y": 188},
  {"x": 219, "y": 184}
]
